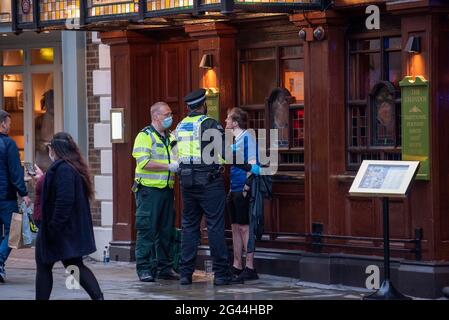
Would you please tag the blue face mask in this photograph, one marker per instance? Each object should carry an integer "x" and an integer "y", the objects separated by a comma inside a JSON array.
[{"x": 167, "y": 122}]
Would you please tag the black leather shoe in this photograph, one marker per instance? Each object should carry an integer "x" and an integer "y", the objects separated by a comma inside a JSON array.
[
  {"x": 185, "y": 280},
  {"x": 236, "y": 271},
  {"x": 227, "y": 281},
  {"x": 171, "y": 275},
  {"x": 249, "y": 274},
  {"x": 146, "y": 277}
]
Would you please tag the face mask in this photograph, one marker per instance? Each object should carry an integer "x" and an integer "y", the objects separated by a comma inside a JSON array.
[
  {"x": 52, "y": 158},
  {"x": 167, "y": 122}
]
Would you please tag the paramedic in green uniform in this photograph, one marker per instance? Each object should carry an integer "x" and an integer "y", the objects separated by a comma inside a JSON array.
[{"x": 153, "y": 187}]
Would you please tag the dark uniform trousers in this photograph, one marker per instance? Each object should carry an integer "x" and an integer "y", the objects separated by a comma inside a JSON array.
[
  {"x": 155, "y": 218},
  {"x": 210, "y": 199}
]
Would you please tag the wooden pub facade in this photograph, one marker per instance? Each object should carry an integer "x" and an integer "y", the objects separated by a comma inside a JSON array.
[{"x": 345, "y": 107}]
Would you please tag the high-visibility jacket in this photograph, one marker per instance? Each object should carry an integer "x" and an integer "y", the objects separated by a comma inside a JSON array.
[
  {"x": 148, "y": 146},
  {"x": 188, "y": 137}
]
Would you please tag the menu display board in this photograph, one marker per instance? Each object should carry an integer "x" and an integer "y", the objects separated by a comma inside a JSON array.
[{"x": 384, "y": 178}]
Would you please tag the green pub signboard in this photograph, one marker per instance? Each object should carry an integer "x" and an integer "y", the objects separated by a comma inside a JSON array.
[
  {"x": 213, "y": 104},
  {"x": 415, "y": 123}
]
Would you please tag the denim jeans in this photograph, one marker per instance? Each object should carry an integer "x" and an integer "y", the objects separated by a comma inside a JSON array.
[{"x": 6, "y": 210}]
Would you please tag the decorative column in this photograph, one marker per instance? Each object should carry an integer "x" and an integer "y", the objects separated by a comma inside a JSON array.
[
  {"x": 134, "y": 84},
  {"x": 324, "y": 114}
]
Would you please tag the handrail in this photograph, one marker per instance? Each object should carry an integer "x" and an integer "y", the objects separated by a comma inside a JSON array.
[{"x": 316, "y": 240}]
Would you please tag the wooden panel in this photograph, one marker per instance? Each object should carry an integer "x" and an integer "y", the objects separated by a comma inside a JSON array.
[
  {"x": 120, "y": 83},
  {"x": 194, "y": 62},
  {"x": 443, "y": 131},
  {"x": 171, "y": 77},
  {"x": 361, "y": 218},
  {"x": 141, "y": 84},
  {"x": 287, "y": 208},
  {"x": 178, "y": 76},
  {"x": 291, "y": 215},
  {"x": 400, "y": 220}
]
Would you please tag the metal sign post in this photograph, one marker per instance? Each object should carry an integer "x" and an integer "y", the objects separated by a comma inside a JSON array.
[
  {"x": 385, "y": 179},
  {"x": 386, "y": 291}
]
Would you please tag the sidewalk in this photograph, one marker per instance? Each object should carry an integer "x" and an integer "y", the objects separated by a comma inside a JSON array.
[{"x": 118, "y": 281}]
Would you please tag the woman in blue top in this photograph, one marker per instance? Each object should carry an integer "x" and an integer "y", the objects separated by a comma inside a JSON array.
[{"x": 244, "y": 152}]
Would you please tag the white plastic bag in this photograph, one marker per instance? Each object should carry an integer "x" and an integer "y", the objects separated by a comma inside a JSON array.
[{"x": 29, "y": 231}]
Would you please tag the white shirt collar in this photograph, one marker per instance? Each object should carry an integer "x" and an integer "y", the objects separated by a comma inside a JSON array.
[{"x": 240, "y": 134}]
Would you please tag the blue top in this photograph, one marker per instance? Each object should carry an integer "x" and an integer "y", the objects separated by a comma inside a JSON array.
[{"x": 245, "y": 151}]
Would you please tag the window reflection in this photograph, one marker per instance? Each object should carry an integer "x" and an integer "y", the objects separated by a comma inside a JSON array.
[
  {"x": 43, "y": 106},
  {"x": 42, "y": 56},
  {"x": 5, "y": 10},
  {"x": 11, "y": 58}
]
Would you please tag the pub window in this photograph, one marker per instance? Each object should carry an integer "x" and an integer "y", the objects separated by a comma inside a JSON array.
[
  {"x": 373, "y": 100},
  {"x": 262, "y": 71}
]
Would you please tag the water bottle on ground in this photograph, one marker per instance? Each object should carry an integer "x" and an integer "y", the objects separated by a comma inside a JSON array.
[
  {"x": 106, "y": 254},
  {"x": 208, "y": 269}
]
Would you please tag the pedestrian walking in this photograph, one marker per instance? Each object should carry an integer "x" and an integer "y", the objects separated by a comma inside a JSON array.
[
  {"x": 66, "y": 232},
  {"x": 11, "y": 183}
]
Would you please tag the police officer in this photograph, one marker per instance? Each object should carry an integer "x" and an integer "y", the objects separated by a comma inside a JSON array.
[
  {"x": 153, "y": 187},
  {"x": 202, "y": 190}
]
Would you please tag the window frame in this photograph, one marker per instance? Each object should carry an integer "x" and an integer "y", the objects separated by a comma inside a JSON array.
[
  {"x": 370, "y": 150},
  {"x": 264, "y": 107}
]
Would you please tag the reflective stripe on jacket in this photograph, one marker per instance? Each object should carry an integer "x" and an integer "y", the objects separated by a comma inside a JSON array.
[{"x": 148, "y": 146}]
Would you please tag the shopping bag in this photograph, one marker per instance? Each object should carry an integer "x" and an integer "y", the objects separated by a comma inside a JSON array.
[
  {"x": 29, "y": 229},
  {"x": 23, "y": 230},
  {"x": 15, "y": 240}
]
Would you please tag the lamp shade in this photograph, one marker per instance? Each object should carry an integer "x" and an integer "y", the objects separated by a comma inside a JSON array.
[
  {"x": 206, "y": 61},
  {"x": 413, "y": 45}
]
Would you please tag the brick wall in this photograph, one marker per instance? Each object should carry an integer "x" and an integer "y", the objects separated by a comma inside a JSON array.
[{"x": 93, "y": 105}]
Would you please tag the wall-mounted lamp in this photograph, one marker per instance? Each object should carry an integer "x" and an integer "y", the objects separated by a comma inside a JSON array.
[
  {"x": 117, "y": 125},
  {"x": 206, "y": 61},
  {"x": 413, "y": 45}
]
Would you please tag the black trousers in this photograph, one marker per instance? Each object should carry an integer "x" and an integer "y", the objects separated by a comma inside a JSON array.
[
  {"x": 87, "y": 280},
  {"x": 210, "y": 199}
]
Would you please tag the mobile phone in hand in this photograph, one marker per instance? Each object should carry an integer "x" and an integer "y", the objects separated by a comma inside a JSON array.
[{"x": 29, "y": 167}]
